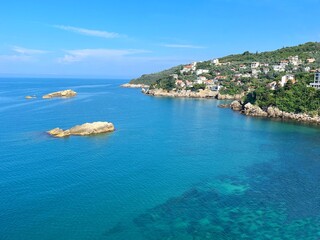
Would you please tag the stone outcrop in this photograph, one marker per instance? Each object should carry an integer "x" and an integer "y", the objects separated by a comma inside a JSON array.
[
  {"x": 273, "y": 112},
  {"x": 131, "y": 85},
  {"x": 230, "y": 97},
  {"x": 236, "y": 106},
  {"x": 83, "y": 130},
  {"x": 206, "y": 93},
  {"x": 64, "y": 94}
]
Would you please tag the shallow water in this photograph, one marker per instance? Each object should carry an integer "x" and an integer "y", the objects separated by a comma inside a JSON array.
[{"x": 173, "y": 169}]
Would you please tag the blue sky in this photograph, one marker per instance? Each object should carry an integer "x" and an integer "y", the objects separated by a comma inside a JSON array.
[{"x": 124, "y": 39}]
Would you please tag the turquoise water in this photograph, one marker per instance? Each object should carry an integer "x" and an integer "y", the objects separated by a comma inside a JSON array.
[{"x": 173, "y": 169}]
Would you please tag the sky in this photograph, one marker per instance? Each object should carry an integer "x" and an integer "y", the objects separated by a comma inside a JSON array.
[{"x": 128, "y": 38}]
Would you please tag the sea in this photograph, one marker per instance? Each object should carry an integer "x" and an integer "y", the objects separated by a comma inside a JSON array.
[{"x": 174, "y": 168}]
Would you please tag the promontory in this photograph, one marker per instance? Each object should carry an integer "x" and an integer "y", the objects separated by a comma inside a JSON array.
[{"x": 83, "y": 130}]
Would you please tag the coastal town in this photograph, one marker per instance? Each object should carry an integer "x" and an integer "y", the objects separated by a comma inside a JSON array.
[{"x": 283, "y": 83}]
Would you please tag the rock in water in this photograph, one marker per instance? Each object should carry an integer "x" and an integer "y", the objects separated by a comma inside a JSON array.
[
  {"x": 65, "y": 94},
  {"x": 83, "y": 130},
  {"x": 30, "y": 97},
  {"x": 236, "y": 106}
]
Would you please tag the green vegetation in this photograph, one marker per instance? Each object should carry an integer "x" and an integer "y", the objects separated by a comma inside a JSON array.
[
  {"x": 304, "y": 51},
  {"x": 296, "y": 98},
  {"x": 235, "y": 75},
  {"x": 153, "y": 77}
]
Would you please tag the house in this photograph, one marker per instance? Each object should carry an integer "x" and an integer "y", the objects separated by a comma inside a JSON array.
[
  {"x": 174, "y": 76},
  {"x": 316, "y": 82},
  {"x": 311, "y": 60},
  {"x": 216, "y": 88},
  {"x": 272, "y": 85},
  {"x": 266, "y": 70},
  {"x": 201, "y": 79},
  {"x": 286, "y": 78},
  {"x": 180, "y": 83},
  {"x": 220, "y": 77},
  {"x": 294, "y": 60},
  {"x": 215, "y": 62},
  {"x": 284, "y": 63},
  {"x": 246, "y": 75},
  {"x": 307, "y": 69},
  {"x": 278, "y": 68},
  {"x": 255, "y": 72},
  {"x": 242, "y": 67},
  {"x": 202, "y": 71},
  {"x": 255, "y": 65},
  {"x": 189, "y": 83},
  {"x": 189, "y": 68}
]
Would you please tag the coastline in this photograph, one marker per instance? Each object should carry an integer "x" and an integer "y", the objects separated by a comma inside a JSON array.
[
  {"x": 206, "y": 93},
  {"x": 131, "y": 85},
  {"x": 273, "y": 112}
]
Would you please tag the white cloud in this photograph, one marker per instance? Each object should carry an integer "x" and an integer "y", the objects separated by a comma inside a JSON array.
[
  {"x": 182, "y": 46},
  {"x": 89, "y": 32},
  {"x": 82, "y": 54},
  {"x": 27, "y": 51}
]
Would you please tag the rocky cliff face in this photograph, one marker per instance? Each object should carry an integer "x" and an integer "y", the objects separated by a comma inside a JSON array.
[
  {"x": 131, "y": 85},
  {"x": 230, "y": 97},
  {"x": 65, "y": 94},
  {"x": 273, "y": 112},
  {"x": 182, "y": 93},
  {"x": 83, "y": 130}
]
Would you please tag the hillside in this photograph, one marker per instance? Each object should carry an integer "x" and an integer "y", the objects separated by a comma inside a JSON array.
[
  {"x": 153, "y": 77},
  {"x": 278, "y": 78},
  {"x": 231, "y": 62}
]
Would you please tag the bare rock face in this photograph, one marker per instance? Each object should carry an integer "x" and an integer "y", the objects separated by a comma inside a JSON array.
[
  {"x": 83, "y": 130},
  {"x": 253, "y": 110},
  {"x": 132, "y": 85},
  {"x": 229, "y": 97},
  {"x": 206, "y": 93},
  {"x": 236, "y": 106},
  {"x": 64, "y": 94}
]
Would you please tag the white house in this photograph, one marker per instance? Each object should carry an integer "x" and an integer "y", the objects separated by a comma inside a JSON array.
[
  {"x": 294, "y": 60},
  {"x": 316, "y": 82},
  {"x": 311, "y": 60},
  {"x": 286, "y": 78},
  {"x": 215, "y": 61},
  {"x": 278, "y": 68},
  {"x": 202, "y": 71},
  {"x": 201, "y": 79},
  {"x": 255, "y": 64}
]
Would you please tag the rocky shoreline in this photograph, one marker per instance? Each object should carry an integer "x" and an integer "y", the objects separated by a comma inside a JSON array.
[
  {"x": 131, "y": 85},
  {"x": 206, "y": 93},
  {"x": 273, "y": 112}
]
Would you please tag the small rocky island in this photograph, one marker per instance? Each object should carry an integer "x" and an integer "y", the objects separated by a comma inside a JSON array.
[
  {"x": 63, "y": 94},
  {"x": 83, "y": 130}
]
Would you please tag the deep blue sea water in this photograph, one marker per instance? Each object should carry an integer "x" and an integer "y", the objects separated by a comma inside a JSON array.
[{"x": 173, "y": 169}]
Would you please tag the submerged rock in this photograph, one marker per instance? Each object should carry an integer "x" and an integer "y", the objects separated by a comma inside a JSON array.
[
  {"x": 83, "y": 130},
  {"x": 224, "y": 105},
  {"x": 65, "y": 94}
]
